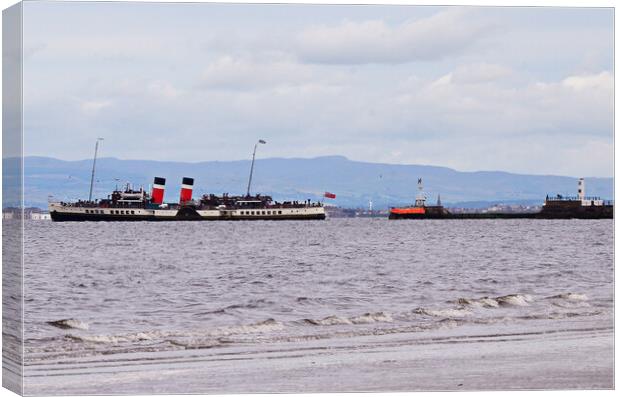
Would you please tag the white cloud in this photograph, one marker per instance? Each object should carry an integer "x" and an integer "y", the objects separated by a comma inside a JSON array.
[
  {"x": 234, "y": 73},
  {"x": 479, "y": 73},
  {"x": 374, "y": 41},
  {"x": 163, "y": 89},
  {"x": 94, "y": 107},
  {"x": 600, "y": 82},
  {"x": 228, "y": 72}
]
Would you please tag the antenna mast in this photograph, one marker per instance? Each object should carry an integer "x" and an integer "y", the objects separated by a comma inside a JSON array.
[
  {"x": 252, "y": 167},
  {"x": 92, "y": 175},
  {"x": 420, "y": 198}
]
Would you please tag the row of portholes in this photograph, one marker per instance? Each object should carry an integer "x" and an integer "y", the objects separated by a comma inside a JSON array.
[
  {"x": 113, "y": 212},
  {"x": 259, "y": 212}
]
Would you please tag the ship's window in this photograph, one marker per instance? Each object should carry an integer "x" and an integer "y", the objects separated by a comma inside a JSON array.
[
  {"x": 132, "y": 212},
  {"x": 252, "y": 212},
  {"x": 268, "y": 212},
  {"x": 87, "y": 211},
  {"x": 122, "y": 212},
  {"x": 279, "y": 212},
  {"x": 263, "y": 212}
]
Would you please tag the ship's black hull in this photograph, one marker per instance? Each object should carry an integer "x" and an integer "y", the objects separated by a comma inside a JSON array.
[
  {"x": 73, "y": 217},
  {"x": 462, "y": 216},
  {"x": 605, "y": 212}
]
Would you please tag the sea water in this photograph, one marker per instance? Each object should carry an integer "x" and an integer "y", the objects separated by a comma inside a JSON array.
[{"x": 160, "y": 293}]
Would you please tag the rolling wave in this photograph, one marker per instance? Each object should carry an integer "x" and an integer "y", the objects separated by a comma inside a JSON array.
[
  {"x": 69, "y": 323},
  {"x": 367, "y": 318}
]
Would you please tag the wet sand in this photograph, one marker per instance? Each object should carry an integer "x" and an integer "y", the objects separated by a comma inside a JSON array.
[{"x": 452, "y": 359}]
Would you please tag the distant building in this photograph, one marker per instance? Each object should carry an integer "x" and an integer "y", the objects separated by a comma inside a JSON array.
[
  {"x": 28, "y": 213},
  {"x": 40, "y": 216},
  {"x": 339, "y": 212}
]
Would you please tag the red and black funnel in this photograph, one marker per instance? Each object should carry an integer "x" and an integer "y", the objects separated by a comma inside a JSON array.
[
  {"x": 187, "y": 187},
  {"x": 157, "y": 194}
]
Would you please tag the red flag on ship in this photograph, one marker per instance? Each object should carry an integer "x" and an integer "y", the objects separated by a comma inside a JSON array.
[{"x": 330, "y": 195}]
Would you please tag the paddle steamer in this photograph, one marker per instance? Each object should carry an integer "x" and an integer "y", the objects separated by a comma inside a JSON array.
[{"x": 131, "y": 204}]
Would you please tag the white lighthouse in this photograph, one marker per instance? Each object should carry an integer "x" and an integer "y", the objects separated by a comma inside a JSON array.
[
  {"x": 581, "y": 195},
  {"x": 581, "y": 189}
]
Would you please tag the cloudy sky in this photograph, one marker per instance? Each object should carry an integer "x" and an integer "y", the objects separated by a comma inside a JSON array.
[{"x": 525, "y": 90}]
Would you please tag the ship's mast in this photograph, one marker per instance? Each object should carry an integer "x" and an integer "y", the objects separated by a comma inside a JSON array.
[
  {"x": 420, "y": 198},
  {"x": 92, "y": 175},
  {"x": 252, "y": 166}
]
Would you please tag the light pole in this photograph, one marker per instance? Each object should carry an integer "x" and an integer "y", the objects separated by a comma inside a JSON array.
[
  {"x": 92, "y": 175},
  {"x": 252, "y": 167}
]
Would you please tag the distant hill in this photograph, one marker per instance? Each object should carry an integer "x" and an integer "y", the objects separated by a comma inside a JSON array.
[{"x": 354, "y": 182}]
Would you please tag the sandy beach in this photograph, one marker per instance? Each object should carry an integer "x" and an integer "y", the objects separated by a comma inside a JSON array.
[{"x": 460, "y": 358}]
